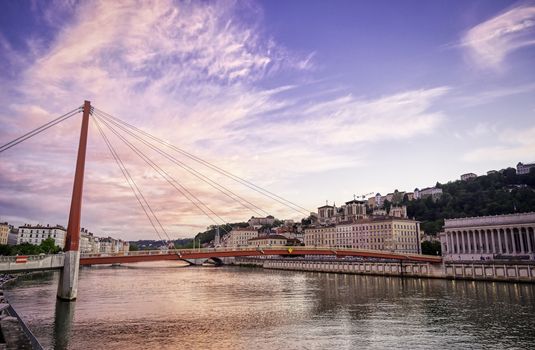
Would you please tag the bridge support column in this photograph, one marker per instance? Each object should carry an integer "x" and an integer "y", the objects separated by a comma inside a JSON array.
[{"x": 68, "y": 281}]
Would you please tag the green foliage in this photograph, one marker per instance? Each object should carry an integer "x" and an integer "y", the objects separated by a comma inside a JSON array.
[
  {"x": 133, "y": 247},
  {"x": 46, "y": 247},
  {"x": 494, "y": 194},
  {"x": 431, "y": 248},
  {"x": 209, "y": 234}
]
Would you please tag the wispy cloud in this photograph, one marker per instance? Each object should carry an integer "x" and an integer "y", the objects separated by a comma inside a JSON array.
[
  {"x": 490, "y": 42},
  {"x": 189, "y": 72},
  {"x": 512, "y": 144}
]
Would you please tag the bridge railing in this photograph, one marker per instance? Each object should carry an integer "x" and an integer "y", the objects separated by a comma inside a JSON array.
[
  {"x": 185, "y": 252},
  {"x": 14, "y": 258}
]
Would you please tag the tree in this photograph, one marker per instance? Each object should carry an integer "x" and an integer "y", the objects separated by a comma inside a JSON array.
[
  {"x": 48, "y": 246},
  {"x": 431, "y": 248}
]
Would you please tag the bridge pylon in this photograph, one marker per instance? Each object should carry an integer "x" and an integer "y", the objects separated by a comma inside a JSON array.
[{"x": 68, "y": 281}]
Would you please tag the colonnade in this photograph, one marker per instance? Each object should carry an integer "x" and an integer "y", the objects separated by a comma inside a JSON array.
[{"x": 514, "y": 240}]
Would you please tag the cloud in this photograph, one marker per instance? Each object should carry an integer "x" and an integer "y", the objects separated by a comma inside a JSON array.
[
  {"x": 190, "y": 73},
  {"x": 490, "y": 42},
  {"x": 513, "y": 144}
]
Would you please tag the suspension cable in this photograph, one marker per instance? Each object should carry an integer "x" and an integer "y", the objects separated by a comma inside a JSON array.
[
  {"x": 224, "y": 190},
  {"x": 172, "y": 181},
  {"x": 40, "y": 129},
  {"x": 224, "y": 172},
  {"x": 131, "y": 181}
]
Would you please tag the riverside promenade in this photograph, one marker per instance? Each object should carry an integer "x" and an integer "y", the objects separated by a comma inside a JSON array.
[{"x": 467, "y": 270}]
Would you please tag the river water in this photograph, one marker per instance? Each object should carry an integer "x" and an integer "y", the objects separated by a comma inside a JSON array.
[{"x": 166, "y": 306}]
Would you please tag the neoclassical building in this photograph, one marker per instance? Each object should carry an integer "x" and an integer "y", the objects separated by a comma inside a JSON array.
[{"x": 508, "y": 236}]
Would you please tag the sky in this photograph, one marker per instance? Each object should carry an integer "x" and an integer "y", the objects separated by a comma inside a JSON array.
[{"x": 315, "y": 101}]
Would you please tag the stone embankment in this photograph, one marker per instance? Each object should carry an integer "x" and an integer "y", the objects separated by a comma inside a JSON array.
[
  {"x": 13, "y": 332},
  {"x": 487, "y": 271}
]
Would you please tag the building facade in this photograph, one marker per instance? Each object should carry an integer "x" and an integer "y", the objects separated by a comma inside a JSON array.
[
  {"x": 239, "y": 237},
  {"x": 272, "y": 240},
  {"x": 385, "y": 233},
  {"x": 38, "y": 233},
  {"x": 522, "y": 168},
  {"x": 4, "y": 232},
  {"x": 326, "y": 215},
  {"x": 498, "y": 237},
  {"x": 468, "y": 176}
]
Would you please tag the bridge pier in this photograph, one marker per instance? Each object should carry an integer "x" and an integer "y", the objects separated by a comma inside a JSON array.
[{"x": 68, "y": 281}]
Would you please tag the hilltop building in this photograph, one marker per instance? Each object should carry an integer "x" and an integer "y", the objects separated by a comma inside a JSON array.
[
  {"x": 522, "y": 168},
  {"x": 258, "y": 222},
  {"x": 468, "y": 176},
  {"x": 433, "y": 192}
]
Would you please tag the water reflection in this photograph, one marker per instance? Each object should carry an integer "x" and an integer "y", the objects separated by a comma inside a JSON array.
[
  {"x": 238, "y": 308},
  {"x": 63, "y": 319}
]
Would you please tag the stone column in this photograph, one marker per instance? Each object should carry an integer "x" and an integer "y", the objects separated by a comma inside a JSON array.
[
  {"x": 480, "y": 248},
  {"x": 487, "y": 241},
  {"x": 512, "y": 234},
  {"x": 457, "y": 242},
  {"x": 463, "y": 246},
  {"x": 506, "y": 241},
  {"x": 521, "y": 236},
  {"x": 494, "y": 250}
]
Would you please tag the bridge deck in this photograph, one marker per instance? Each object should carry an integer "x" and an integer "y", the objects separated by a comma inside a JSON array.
[{"x": 184, "y": 254}]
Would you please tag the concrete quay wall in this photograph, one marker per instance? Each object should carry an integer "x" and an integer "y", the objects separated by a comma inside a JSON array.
[
  {"x": 11, "y": 264},
  {"x": 508, "y": 272}
]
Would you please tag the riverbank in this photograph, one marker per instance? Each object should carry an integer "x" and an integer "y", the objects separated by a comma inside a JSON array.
[
  {"x": 473, "y": 270},
  {"x": 14, "y": 334}
]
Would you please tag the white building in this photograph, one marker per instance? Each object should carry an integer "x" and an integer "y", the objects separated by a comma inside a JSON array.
[
  {"x": 468, "y": 176},
  {"x": 500, "y": 237},
  {"x": 522, "y": 168},
  {"x": 268, "y": 220},
  {"x": 390, "y": 234},
  {"x": 240, "y": 236},
  {"x": 35, "y": 234},
  {"x": 272, "y": 240}
]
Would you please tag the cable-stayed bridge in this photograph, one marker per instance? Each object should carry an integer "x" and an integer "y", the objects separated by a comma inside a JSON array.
[{"x": 137, "y": 141}]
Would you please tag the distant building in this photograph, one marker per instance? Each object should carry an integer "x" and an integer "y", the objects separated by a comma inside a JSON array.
[
  {"x": 240, "y": 236},
  {"x": 272, "y": 240},
  {"x": 4, "y": 232},
  {"x": 468, "y": 176},
  {"x": 398, "y": 212},
  {"x": 490, "y": 172},
  {"x": 433, "y": 192},
  {"x": 352, "y": 211},
  {"x": 35, "y": 234},
  {"x": 319, "y": 236},
  {"x": 376, "y": 233},
  {"x": 379, "y": 212},
  {"x": 522, "y": 168},
  {"x": 268, "y": 220},
  {"x": 326, "y": 214},
  {"x": 500, "y": 237},
  {"x": 378, "y": 200}
]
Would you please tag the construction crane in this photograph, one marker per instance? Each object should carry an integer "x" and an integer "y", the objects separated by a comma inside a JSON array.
[{"x": 362, "y": 196}]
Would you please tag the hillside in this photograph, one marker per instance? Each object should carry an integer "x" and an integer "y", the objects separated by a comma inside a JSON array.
[{"x": 494, "y": 194}]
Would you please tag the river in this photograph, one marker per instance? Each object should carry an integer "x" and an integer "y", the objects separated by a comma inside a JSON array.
[{"x": 167, "y": 306}]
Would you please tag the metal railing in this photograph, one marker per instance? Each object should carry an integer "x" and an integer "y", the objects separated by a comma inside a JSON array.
[{"x": 185, "y": 252}]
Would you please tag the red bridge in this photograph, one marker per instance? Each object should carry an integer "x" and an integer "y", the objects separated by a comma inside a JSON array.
[{"x": 211, "y": 253}]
